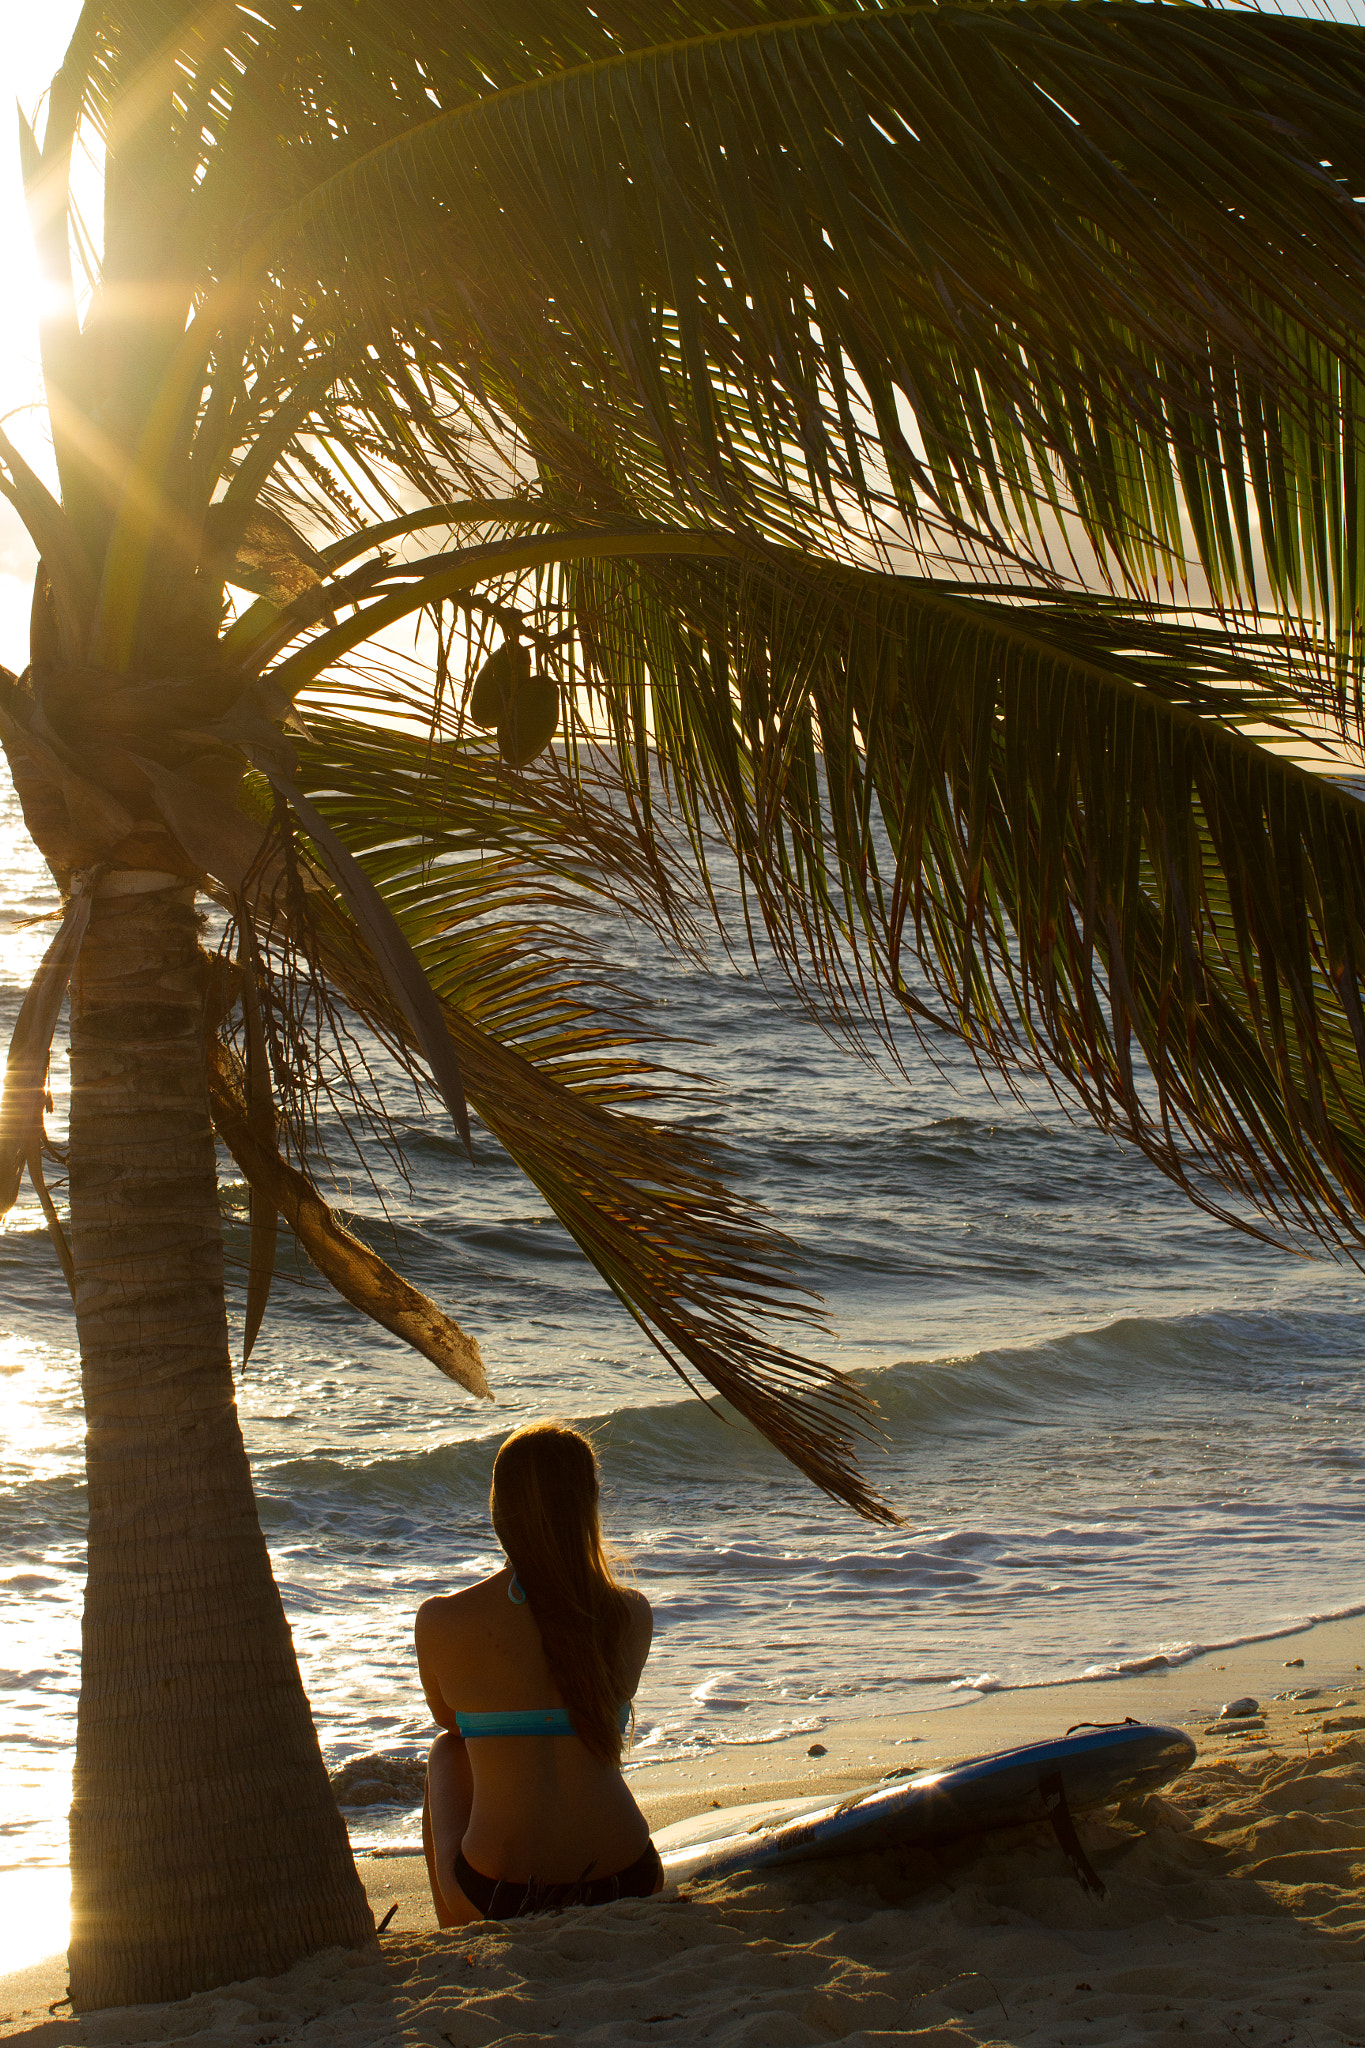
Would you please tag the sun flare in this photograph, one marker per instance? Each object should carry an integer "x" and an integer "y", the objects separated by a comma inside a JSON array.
[{"x": 35, "y": 41}]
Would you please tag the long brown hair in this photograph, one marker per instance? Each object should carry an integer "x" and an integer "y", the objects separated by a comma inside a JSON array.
[{"x": 544, "y": 1508}]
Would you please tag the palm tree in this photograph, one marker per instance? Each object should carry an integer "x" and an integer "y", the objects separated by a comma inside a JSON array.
[{"x": 912, "y": 453}]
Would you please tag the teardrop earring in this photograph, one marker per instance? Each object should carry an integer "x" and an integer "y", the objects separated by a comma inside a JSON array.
[{"x": 516, "y": 1593}]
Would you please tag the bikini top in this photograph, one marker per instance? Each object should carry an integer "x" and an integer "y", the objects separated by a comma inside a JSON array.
[{"x": 525, "y": 1721}]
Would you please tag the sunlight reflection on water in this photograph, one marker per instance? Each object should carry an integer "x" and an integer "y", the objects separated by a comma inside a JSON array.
[{"x": 35, "y": 1915}]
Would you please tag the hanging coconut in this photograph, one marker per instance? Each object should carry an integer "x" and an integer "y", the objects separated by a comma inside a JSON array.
[
  {"x": 530, "y": 721},
  {"x": 504, "y": 673}
]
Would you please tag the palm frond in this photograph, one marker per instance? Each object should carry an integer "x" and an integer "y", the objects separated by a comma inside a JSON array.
[
  {"x": 883, "y": 757},
  {"x": 1075, "y": 838},
  {"x": 553, "y": 1070},
  {"x": 359, "y": 1275},
  {"x": 1002, "y": 281},
  {"x": 30, "y": 1050},
  {"x": 944, "y": 267}
]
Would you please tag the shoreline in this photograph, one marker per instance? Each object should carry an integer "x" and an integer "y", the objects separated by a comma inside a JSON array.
[
  {"x": 1329, "y": 1654},
  {"x": 1327, "y": 1660}
]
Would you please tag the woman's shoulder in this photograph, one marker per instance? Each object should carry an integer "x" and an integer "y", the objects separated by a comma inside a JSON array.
[
  {"x": 445, "y": 1611},
  {"x": 641, "y": 1620}
]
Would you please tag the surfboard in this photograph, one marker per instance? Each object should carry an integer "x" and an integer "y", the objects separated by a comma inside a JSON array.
[{"x": 1012, "y": 1788}]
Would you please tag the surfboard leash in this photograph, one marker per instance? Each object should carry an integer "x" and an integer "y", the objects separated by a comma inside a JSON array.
[{"x": 1064, "y": 1828}]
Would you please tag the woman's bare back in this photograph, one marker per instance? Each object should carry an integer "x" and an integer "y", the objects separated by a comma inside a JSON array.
[{"x": 542, "y": 1806}]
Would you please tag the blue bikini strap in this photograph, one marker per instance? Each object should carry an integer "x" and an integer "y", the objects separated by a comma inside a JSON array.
[{"x": 524, "y": 1721}]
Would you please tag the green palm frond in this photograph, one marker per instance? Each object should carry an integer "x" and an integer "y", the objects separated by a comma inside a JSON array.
[
  {"x": 999, "y": 278},
  {"x": 1073, "y": 837},
  {"x": 553, "y": 1061},
  {"x": 353, "y": 1268},
  {"x": 948, "y": 267},
  {"x": 490, "y": 874},
  {"x": 1077, "y": 838}
]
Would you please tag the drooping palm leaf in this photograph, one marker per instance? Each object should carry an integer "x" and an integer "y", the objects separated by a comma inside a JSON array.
[
  {"x": 258, "y": 1104},
  {"x": 30, "y": 1049},
  {"x": 1055, "y": 818},
  {"x": 352, "y": 1267},
  {"x": 803, "y": 705},
  {"x": 1058, "y": 810},
  {"x": 700, "y": 1270}
]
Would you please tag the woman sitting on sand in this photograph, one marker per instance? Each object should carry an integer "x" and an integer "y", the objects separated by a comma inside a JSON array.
[{"x": 531, "y": 1674}]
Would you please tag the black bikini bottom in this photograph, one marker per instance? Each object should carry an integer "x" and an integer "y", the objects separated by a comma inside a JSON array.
[{"x": 502, "y": 1898}]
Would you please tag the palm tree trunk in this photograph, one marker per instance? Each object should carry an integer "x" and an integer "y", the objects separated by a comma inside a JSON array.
[{"x": 205, "y": 1842}]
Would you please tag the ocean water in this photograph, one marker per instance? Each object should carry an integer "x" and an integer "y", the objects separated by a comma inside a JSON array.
[{"x": 1115, "y": 1429}]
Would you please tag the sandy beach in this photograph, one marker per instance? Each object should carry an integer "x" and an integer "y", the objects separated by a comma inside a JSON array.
[{"x": 1235, "y": 1909}]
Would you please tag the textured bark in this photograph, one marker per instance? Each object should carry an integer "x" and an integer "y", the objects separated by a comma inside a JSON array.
[{"x": 205, "y": 1842}]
